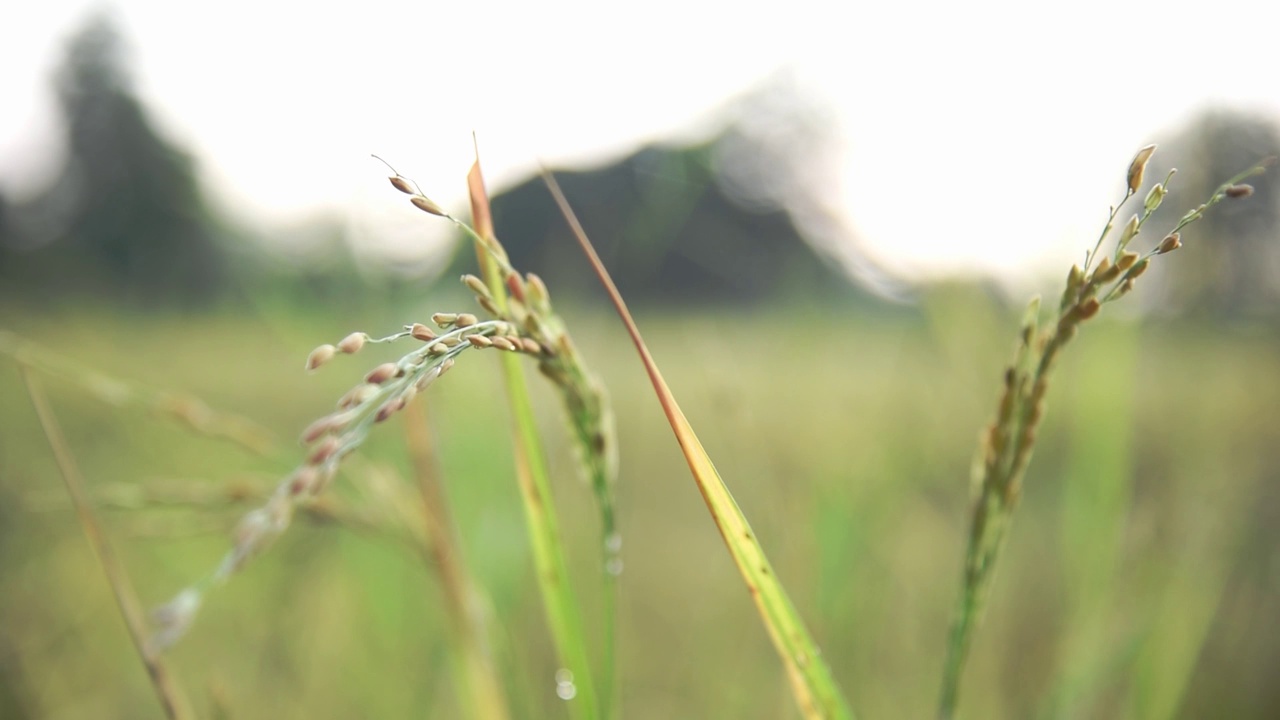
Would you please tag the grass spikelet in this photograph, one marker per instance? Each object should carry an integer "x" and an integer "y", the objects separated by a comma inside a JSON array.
[
  {"x": 1006, "y": 447},
  {"x": 385, "y": 391}
]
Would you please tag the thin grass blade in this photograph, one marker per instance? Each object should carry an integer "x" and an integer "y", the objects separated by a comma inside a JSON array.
[
  {"x": 815, "y": 689},
  {"x": 564, "y": 616}
]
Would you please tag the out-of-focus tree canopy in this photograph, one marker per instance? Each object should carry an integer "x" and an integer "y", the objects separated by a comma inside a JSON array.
[
  {"x": 666, "y": 228},
  {"x": 1232, "y": 262},
  {"x": 125, "y": 217}
]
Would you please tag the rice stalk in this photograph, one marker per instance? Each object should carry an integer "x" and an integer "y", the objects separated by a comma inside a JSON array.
[
  {"x": 812, "y": 683},
  {"x": 1005, "y": 448}
]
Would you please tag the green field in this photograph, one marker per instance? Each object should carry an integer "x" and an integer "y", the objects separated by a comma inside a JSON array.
[{"x": 1141, "y": 578}]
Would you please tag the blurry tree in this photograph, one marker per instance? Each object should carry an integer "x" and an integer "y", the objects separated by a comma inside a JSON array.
[
  {"x": 735, "y": 218},
  {"x": 125, "y": 216},
  {"x": 1236, "y": 265}
]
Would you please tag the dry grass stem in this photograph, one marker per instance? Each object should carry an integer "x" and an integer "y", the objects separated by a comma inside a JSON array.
[
  {"x": 166, "y": 687},
  {"x": 188, "y": 411},
  {"x": 463, "y": 600}
]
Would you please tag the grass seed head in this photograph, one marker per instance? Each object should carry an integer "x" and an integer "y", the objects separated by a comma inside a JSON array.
[
  {"x": 402, "y": 185},
  {"x": 389, "y": 409},
  {"x": 515, "y": 286},
  {"x": 479, "y": 341},
  {"x": 352, "y": 343},
  {"x": 476, "y": 285},
  {"x": 426, "y": 379},
  {"x": 324, "y": 451},
  {"x": 422, "y": 332},
  {"x": 315, "y": 430},
  {"x": 1169, "y": 244},
  {"x": 320, "y": 356},
  {"x": 357, "y": 395},
  {"x": 444, "y": 320},
  {"x": 1127, "y": 260},
  {"x": 438, "y": 349},
  {"x": 488, "y": 305},
  {"x": 1154, "y": 198},
  {"x": 1239, "y": 191},
  {"x": 465, "y": 320},
  {"x": 503, "y": 343},
  {"x": 303, "y": 481},
  {"x": 1130, "y": 230},
  {"x": 1139, "y": 167},
  {"x": 539, "y": 296},
  {"x": 382, "y": 373},
  {"x": 427, "y": 205}
]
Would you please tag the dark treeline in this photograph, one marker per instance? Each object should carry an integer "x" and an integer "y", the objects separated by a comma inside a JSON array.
[{"x": 125, "y": 220}]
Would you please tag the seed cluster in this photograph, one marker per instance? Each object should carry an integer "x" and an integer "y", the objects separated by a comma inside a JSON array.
[
  {"x": 384, "y": 390},
  {"x": 1006, "y": 445}
]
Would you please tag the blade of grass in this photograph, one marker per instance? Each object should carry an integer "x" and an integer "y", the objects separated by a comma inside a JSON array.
[
  {"x": 166, "y": 688},
  {"x": 814, "y": 687},
  {"x": 473, "y": 655},
  {"x": 563, "y": 614}
]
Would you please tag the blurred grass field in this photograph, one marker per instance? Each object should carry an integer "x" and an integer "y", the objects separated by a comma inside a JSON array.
[{"x": 1142, "y": 577}]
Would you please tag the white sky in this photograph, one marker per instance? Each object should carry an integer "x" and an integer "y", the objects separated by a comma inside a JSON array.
[{"x": 962, "y": 125}]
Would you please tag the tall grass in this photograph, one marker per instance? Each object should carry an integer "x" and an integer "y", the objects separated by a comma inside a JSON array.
[{"x": 519, "y": 324}]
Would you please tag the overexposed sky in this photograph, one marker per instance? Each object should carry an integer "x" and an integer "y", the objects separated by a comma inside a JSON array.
[{"x": 959, "y": 126}]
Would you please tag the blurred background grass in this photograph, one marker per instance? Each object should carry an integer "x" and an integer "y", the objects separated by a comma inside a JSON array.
[
  {"x": 1142, "y": 577},
  {"x": 841, "y": 400}
]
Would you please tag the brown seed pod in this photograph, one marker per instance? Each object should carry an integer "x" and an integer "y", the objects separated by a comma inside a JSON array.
[
  {"x": 1239, "y": 191},
  {"x": 382, "y": 373},
  {"x": 427, "y": 205},
  {"x": 357, "y": 395},
  {"x": 1127, "y": 260},
  {"x": 1139, "y": 166},
  {"x": 352, "y": 343},
  {"x": 317, "y": 428},
  {"x": 422, "y": 332},
  {"x": 303, "y": 481},
  {"x": 324, "y": 451},
  {"x": 402, "y": 185},
  {"x": 537, "y": 290},
  {"x": 476, "y": 285},
  {"x": 320, "y": 356}
]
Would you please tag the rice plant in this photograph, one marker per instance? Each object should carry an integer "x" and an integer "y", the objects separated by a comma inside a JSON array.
[{"x": 517, "y": 321}]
